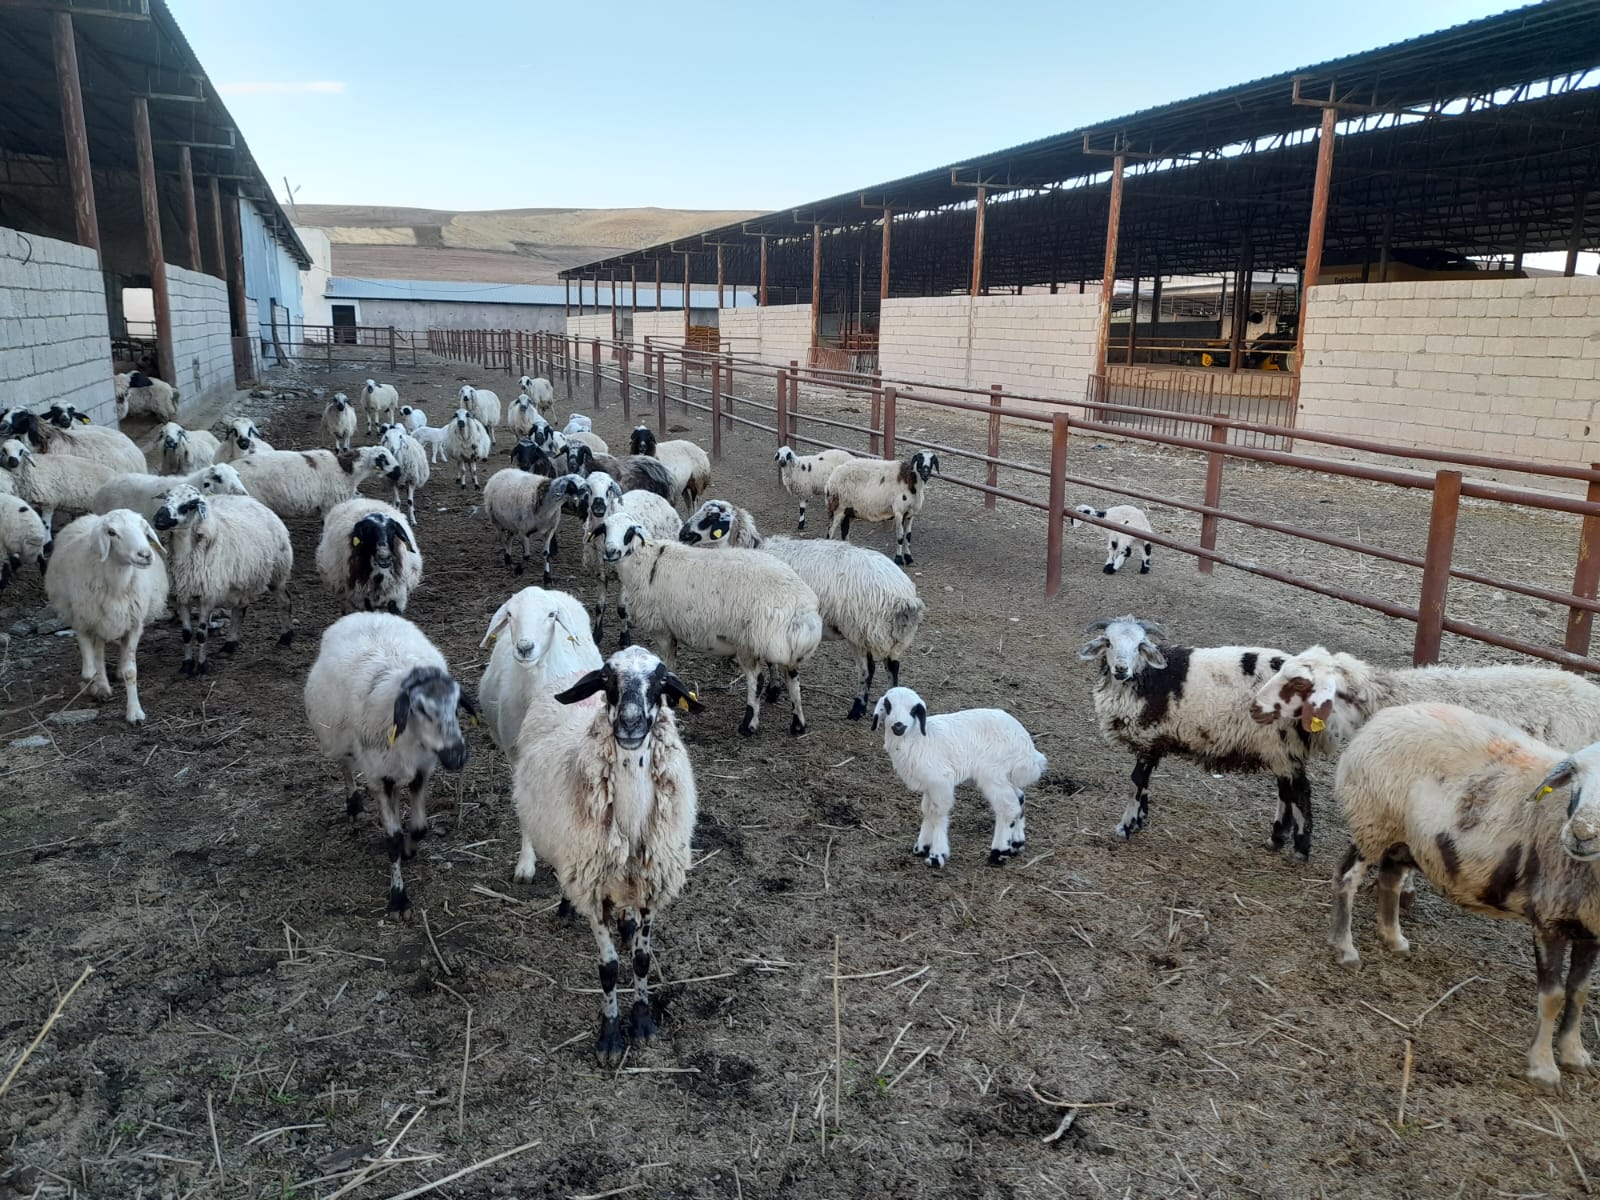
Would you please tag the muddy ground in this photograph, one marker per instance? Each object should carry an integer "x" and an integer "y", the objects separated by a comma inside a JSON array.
[{"x": 255, "y": 1027}]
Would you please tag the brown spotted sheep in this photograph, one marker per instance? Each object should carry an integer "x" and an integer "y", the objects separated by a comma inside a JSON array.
[{"x": 872, "y": 489}]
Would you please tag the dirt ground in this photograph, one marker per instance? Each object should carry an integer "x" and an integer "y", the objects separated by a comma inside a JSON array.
[{"x": 254, "y": 1027}]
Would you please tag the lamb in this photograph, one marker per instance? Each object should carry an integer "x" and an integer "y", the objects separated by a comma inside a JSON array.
[
  {"x": 654, "y": 513},
  {"x": 595, "y": 443},
  {"x": 805, "y": 477},
  {"x": 368, "y": 555},
  {"x": 186, "y": 450},
  {"x": 23, "y": 538},
  {"x": 307, "y": 483},
  {"x": 984, "y": 746},
  {"x": 606, "y": 796},
  {"x": 380, "y": 401},
  {"x": 485, "y": 406},
  {"x": 578, "y": 423},
  {"x": 68, "y": 434},
  {"x": 541, "y": 391},
  {"x": 541, "y": 645},
  {"x": 432, "y": 439},
  {"x": 1119, "y": 545},
  {"x": 467, "y": 441},
  {"x": 529, "y": 507},
  {"x": 1460, "y": 796},
  {"x": 863, "y": 598},
  {"x": 382, "y": 704},
  {"x": 1194, "y": 703},
  {"x": 689, "y": 465},
  {"x": 413, "y": 418},
  {"x": 636, "y": 472},
  {"x": 339, "y": 421},
  {"x": 146, "y": 493},
  {"x": 872, "y": 489},
  {"x": 53, "y": 481},
  {"x": 227, "y": 551},
  {"x": 413, "y": 461},
  {"x": 140, "y": 394},
  {"x": 106, "y": 579},
  {"x": 241, "y": 437},
  {"x": 740, "y": 604}
]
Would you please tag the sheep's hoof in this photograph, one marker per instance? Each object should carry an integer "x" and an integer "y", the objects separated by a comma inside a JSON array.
[
  {"x": 353, "y": 805},
  {"x": 624, "y": 640},
  {"x": 1144, "y": 568},
  {"x": 641, "y": 1025},
  {"x": 522, "y": 876},
  {"x": 900, "y": 560},
  {"x": 202, "y": 668},
  {"x": 286, "y": 638},
  {"x": 920, "y": 851},
  {"x": 1128, "y": 828},
  {"x": 230, "y": 647},
  {"x": 1302, "y": 856},
  {"x": 1546, "y": 1079},
  {"x": 399, "y": 900},
  {"x": 609, "y": 1047},
  {"x": 100, "y": 691},
  {"x": 937, "y": 861},
  {"x": 857, "y": 710},
  {"x": 565, "y": 910},
  {"x": 997, "y": 858},
  {"x": 1108, "y": 569},
  {"x": 186, "y": 667},
  {"x": 796, "y": 726},
  {"x": 1581, "y": 1062},
  {"x": 773, "y": 693},
  {"x": 748, "y": 725}
]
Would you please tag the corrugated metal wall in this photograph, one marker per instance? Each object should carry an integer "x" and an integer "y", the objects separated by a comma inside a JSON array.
[{"x": 271, "y": 279}]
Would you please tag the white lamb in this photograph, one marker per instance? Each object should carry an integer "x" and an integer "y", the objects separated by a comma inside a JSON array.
[
  {"x": 606, "y": 796},
  {"x": 368, "y": 556},
  {"x": 307, "y": 483},
  {"x": 541, "y": 392},
  {"x": 52, "y": 482},
  {"x": 485, "y": 406},
  {"x": 185, "y": 450},
  {"x": 871, "y": 489},
  {"x": 66, "y": 432},
  {"x": 528, "y": 507},
  {"x": 106, "y": 580},
  {"x": 23, "y": 538},
  {"x": 227, "y": 552},
  {"x": 412, "y": 418},
  {"x": 138, "y": 394},
  {"x": 541, "y": 644},
  {"x": 1119, "y": 544},
  {"x": 805, "y": 476},
  {"x": 578, "y": 423},
  {"x": 467, "y": 441},
  {"x": 339, "y": 421},
  {"x": 146, "y": 493},
  {"x": 654, "y": 513},
  {"x": 413, "y": 460},
  {"x": 934, "y": 755},
  {"x": 240, "y": 437},
  {"x": 381, "y": 402},
  {"x": 432, "y": 438},
  {"x": 687, "y": 463},
  {"x": 382, "y": 704}
]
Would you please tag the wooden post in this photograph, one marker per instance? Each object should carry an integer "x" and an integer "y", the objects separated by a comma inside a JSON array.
[
  {"x": 1108, "y": 275},
  {"x": 1436, "y": 567},
  {"x": 992, "y": 475},
  {"x": 152, "y": 239},
  {"x": 1058, "y": 503},
  {"x": 1320, "y": 188},
  {"x": 568, "y": 285},
  {"x": 889, "y": 395},
  {"x": 633, "y": 294},
  {"x": 594, "y": 346},
  {"x": 1213, "y": 496},
  {"x": 686, "y": 282},
  {"x": 781, "y": 387},
  {"x": 1241, "y": 305},
  {"x": 875, "y": 440},
  {"x": 719, "y": 276},
  {"x": 624, "y": 354},
  {"x": 191, "y": 211},
  {"x": 1133, "y": 316},
  {"x": 883, "y": 267},
  {"x": 613, "y": 294},
  {"x": 1580, "y": 621},
  {"x": 716, "y": 407},
  {"x": 391, "y": 350},
  {"x": 977, "y": 241},
  {"x": 761, "y": 291},
  {"x": 658, "y": 285},
  {"x": 661, "y": 393},
  {"x": 794, "y": 400},
  {"x": 816, "y": 287},
  {"x": 75, "y": 133},
  {"x": 1575, "y": 242},
  {"x": 216, "y": 226}
]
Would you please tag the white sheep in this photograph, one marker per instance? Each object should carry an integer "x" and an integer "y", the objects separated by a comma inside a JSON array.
[
  {"x": 138, "y": 394},
  {"x": 432, "y": 438},
  {"x": 67, "y": 432},
  {"x": 741, "y": 604},
  {"x": 369, "y": 556},
  {"x": 185, "y": 450},
  {"x": 240, "y": 437},
  {"x": 604, "y": 496},
  {"x": 577, "y": 423},
  {"x": 872, "y": 489},
  {"x": 485, "y": 406},
  {"x": 413, "y": 460},
  {"x": 528, "y": 507},
  {"x": 865, "y": 600},
  {"x": 23, "y": 538},
  {"x": 307, "y": 483},
  {"x": 805, "y": 476},
  {"x": 688, "y": 464},
  {"x": 227, "y": 552},
  {"x": 467, "y": 441},
  {"x": 382, "y": 704},
  {"x": 523, "y": 417},
  {"x": 146, "y": 493},
  {"x": 541, "y": 392},
  {"x": 413, "y": 418},
  {"x": 934, "y": 755},
  {"x": 541, "y": 644},
  {"x": 605, "y": 795},
  {"x": 1194, "y": 703},
  {"x": 1119, "y": 545},
  {"x": 1461, "y": 796},
  {"x": 52, "y": 482},
  {"x": 339, "y": 421},
  {"x": 106, "y": 580},
  {"x": 380, "y": 401}
]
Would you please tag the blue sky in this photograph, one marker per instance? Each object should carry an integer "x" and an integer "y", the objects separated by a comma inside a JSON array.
[{"x": 529, "y": 104}]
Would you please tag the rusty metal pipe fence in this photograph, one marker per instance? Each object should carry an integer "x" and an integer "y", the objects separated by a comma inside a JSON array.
[{"x": 643, "y": 377}]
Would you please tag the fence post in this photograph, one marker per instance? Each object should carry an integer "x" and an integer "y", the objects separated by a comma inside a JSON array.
[
  {"x": 877, "y": 414},
  {"x": 781, "y": 379},
  {"x": 329, "y": 348},
  {"x": 992, "y": 476},
  {"x": 794, "y": 399},
  {"x": 570, "y": 367},
  {"x": 728, "y": 394},
  {"x": 392, "y": 363},
  {"x": 1580, "y": 621},
  {"x": 716, "y": 409},
  {"x": 889, "y": 397},
  {"x": 595, "y": 363},
  {"x": 661, "y": 393},
  {"x": 624, "y": 352},
  {"x": 1436, "y": 567},
  {"x": 1058, "y": 502},
  {"x": 1213, "y": 497}
]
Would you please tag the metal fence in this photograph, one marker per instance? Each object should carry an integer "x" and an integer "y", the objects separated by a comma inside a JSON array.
[{"x": 1139, "y": 397}]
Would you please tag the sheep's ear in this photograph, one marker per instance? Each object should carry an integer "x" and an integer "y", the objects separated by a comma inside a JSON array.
[
  {"x": 102, "y": 540},
  {"x": 402, "y": 714},
  {"x": 501, "y": 618},
  {"x": 676, "y": 693},
  {"x": 398, "y": 530},
  {"x": 1560, "y": 775},
  {"x": 82, "y": 418},
  {"x": 584, "y": 688},
  {"x": 466, "y": 703},
  {"x": 151, "y": 537},
  {"x": 919, "y": 714},
  {"x": 1151, "y": 654},
  {"x": 1092, "y": 650},
  {"x": 1152, "y": 631}
]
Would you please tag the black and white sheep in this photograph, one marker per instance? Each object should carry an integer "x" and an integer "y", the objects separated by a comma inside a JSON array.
[
  {"x": 689, "y": 465},
  {"x": 307, "y": 483},
  {"x": 484, "y": 405},
  {"x": 541, "y": 645},
  {"x": 1120, "y": 544},
  {"x": 603, "y": 497},
  {"x": 339, "y": 421},
  {"x": 239, "y": 438},
  {"x": 635, "y": 472},
  {"x": 805, "y": 476},
  {"x": 69, "y": 434},
  {"x": 185, "y": 450},
  {"x": 138, "y": 394},
  {"x": 528, "y": 507},
  {"x": 368, "y": 556},
  {"x": 1460, "y": 796},
  {"x": 467, "y": 441},
  {"x": 53, "y": 483},
  {"x": 381, "y": 402},
  {"x": 523, "y": 417},
  {"x": 1194, "y": 703},
  {"x": 382, "y": 704},
  {"x": 528, "y": 455},
  {"x": 413, "y": 462},
  {"x": 874, "y": 489},
  {"x": 23, "y": 538},
  {"x": 541, "y": 391},
  {"x": 605, "y": 794},
  {"x": 146, "y": 493},
  {"x": 412, "y": 418}
]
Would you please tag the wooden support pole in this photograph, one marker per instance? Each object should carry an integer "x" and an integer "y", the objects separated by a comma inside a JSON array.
[
  {"x": 1241, "y": 306},
  {"x": 624, "y": 354},
  {"x": 977, "y": 241},
  {"x": 151, "y": 204},
  {"x": 75, "y": 132},
  {"x": 883, "y": 266},
  {"x": 1580, "y": 621},
  {"x": 568, "y": 284},
  {"x": 191, "y": 211},
  {"x": 1436, "y": 567},
  {"x": 991, "y": 475},
  {"x": 816, "y": 286},
  {"x": 780, "y": 389},
  {"x": 761, "y": 291},
  {"x": 1108, "y": 275},
  {"x": 1058, "y": 502},
  {"x": 215, "y": 189},
  {"x": 889, "y": 397},
  {"x": 1321, "y": 186},
  {"x": 686, "y": 281},
  {"x": 877, "y": 416},
  {"x": 1575, "y": 242},
  {"x": 719, "y": 277},
  {"x": 594, "y": 347},
  {"x": 1133, "y": 317},
  {"x": 716, "y": 410},
  {"x": 658, "y": 284},
  {"x": 633, "y": 282},
  {"x": 661, "y": 393},
  {"x": 1215, "y": 460},
  {"x": 613, "y": 293},
  {"x": 794, "y": 400}
]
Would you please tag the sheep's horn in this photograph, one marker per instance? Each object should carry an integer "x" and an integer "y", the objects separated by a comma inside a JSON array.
[{"x": 1097, "y": 626}]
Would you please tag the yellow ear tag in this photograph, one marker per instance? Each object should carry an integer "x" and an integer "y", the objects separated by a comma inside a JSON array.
[
  {"x": 394, "y": 732},
  {"x": 683, "y": 704},
  {"x": 1318, "y": 724},
  {"x": 716, "y": 535},
  {"x": 1545, "y": 791},
  {"x": 355, "y": 541}
]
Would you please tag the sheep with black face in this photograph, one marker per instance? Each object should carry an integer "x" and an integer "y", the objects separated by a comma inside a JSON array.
[
  {"x": 688, "y": 464},
  {"x": 369, "y": 556},
  {"x": 873, "y": 489}
]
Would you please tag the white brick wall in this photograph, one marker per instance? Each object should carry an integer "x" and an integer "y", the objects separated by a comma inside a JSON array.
[
  {"x": 54, "y": 345},
  {"x": 665, "y": 326},
  {"x": 1037, "y": 344},
  {"x": 202, "y": 339},
  {"x": 1508, "y": 367}
]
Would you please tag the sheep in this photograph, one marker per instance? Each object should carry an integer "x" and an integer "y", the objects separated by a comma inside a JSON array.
[
  {"x": 484, "y": 405},
  {"x": 523, "y": 417},
  {"x": 595, "y": 443},
  {"x": 432, "y": 438},
  {"x": 984, "y": 746},
  {"x": 307, "y": 483},
  {"x": 368, "y": 555},
  {"x": 541, "y": 391},
  {"x": 413, "y": 461},
  {"x": 382, "y": 704},
  {"x": 413, "y": 418},
  {"x": 740, "y": 604},
  {"x": 106, "y": 579},
  {"x": 53, "y": 481},
  {"x": 468, "y": 441},
  {"x": 529, "y": 507},
  {"x": 339, "y": 421},
  {"x": 527, "y": 455},
  {"x": 146, "y": 493},
  {"x": 1194, "y": 703},
  {"x": 863, "y": 598},
  {"x": 541, "y": 644},
  {"x": 603, "y": 497},
  {"x": 606, "y": 796},
  {"x": 227, "y": 551},
  {"x": 872, "y": 489},
  {"x": 1119, "y": 545},
  {"x": 138, "y": 394},
  {"x": 186, "y": 450},
  {"x": 577, "y": 423},
  {"x": 805, "y": 477},
  {"x": 636, "y": 472},
  {"x": 1459, "y": 795},
  {"x": 23, "y": 538},
  {"x": 241, "y": 437},
  {"x": 380, "y": 401},
  {"x": 689, "y": 465},
  {"x": 67, "y": 433}
]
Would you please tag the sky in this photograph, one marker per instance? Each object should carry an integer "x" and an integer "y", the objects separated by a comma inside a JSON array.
[{"x": 486, "y": 104}]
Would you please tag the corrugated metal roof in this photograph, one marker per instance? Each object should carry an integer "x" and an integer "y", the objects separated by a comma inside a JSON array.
[{"x": 522, "y": 293}]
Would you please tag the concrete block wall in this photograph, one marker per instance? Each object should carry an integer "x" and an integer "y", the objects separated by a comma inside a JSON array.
[
  {"x": 591, "y": 325},
  {"x": 1508, "y": 367},
  {"x": 665, "y": 326},
  {"x": 202, "y": 339},
  {"x": 1036, "y": 344},
  {"x": 740, "y": 331},
  {"x": 785, "y": 333},
  {"x": 54, "y": 340}
]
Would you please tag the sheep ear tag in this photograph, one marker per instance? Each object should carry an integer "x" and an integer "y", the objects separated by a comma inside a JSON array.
[
  {"x": 394, "y": 732},
  {"x": 1543, "y": 792},
  {"x": 716, "y": 535},
  {"x": 1318, "y": 724},
  {"x": 355, "y": 541}
]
